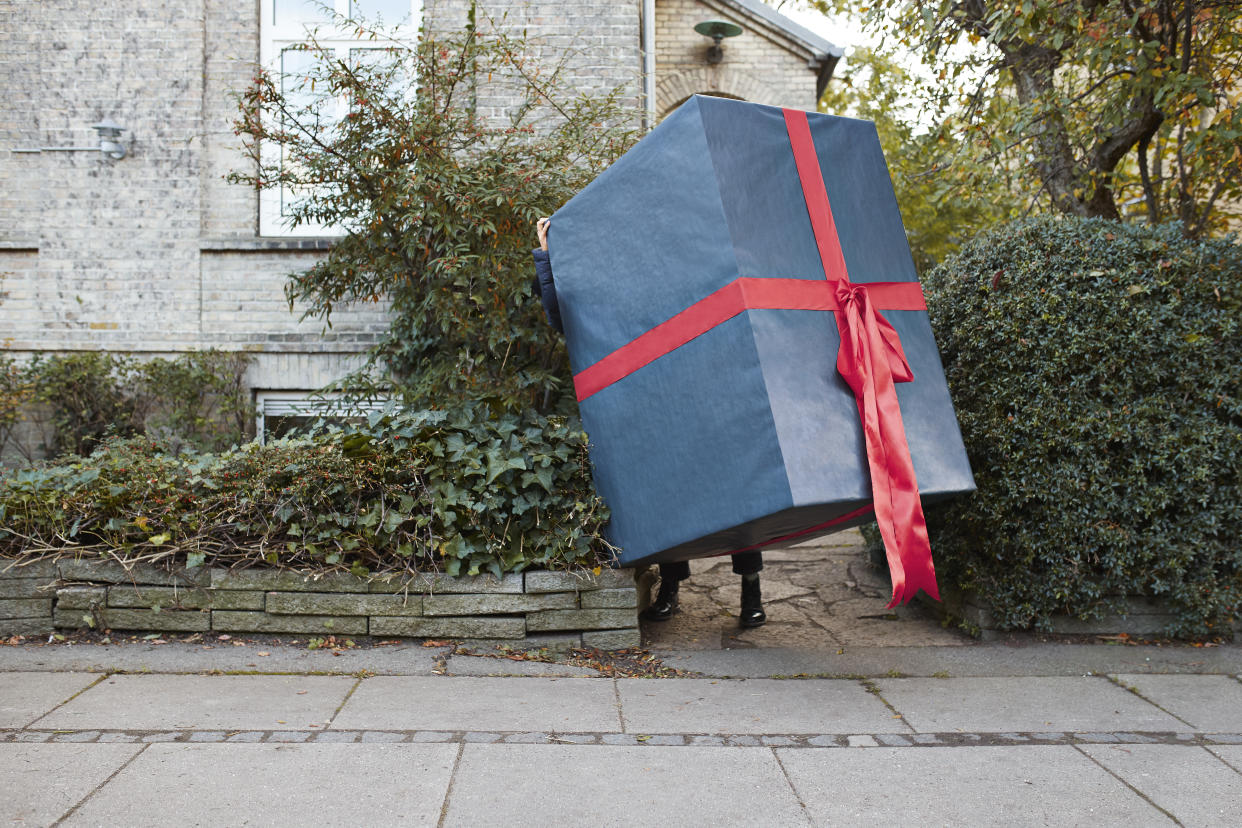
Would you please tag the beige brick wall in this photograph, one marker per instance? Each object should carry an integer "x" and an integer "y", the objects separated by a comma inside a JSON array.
[
  {"x": 157, "y": 253},
  {"x": 759, "y": 65}
]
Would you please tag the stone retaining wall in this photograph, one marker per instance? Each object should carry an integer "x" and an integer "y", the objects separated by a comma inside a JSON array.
[{"x": 527, "y": 609}]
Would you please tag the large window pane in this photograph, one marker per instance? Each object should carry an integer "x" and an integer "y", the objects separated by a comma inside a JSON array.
[
  {"x": 296, "y": 11},
  {"x": 393, "y": 11}
]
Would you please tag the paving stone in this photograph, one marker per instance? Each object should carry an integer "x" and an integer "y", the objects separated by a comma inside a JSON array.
[
  {"x": 582, "y": 619},
  {"x": 1188, "y": 782},
  {"x": 25, "y": 607},
  {"x": 247, "y": 737},
  {"x": 599, "y": 784},
  {"x": 892, "y": 740},
  {"x": 610, "y": 598},
  {"x": 777, "y": 741},
  {"x": 1096, "y": 737},
  {"x": 1231, "y": 754},
  {"x": 24, "y": 697},
  {"x": 336, "y": 737},
  {"x": 619, "y": 739},
  {"x": 707, "y": 741},
  {"x": 263, "y": 622},
  {"x": 470, "y": 703},
  {"x": 1210, "y": 703},
  {"x": 575, "y": 738},
  {"x": 752, "y": 706},
  {"x": 862, "y": 741},
  {"x": 34, "y": 736},
  {"x": 77, "y": 736},
  {"x": 1226, "y": 738},
  {"x": 40, "y": 782},
  {"x": 81, "y": 597},
  {"x": 431, "y": 736},
  {"x": 1028, "y": 785},
  {"x": 527, "y": 739},
  {"x": 612, "y": 639},
  {"x": 164, "y": 620},
  {"x": 156, "y": 702},
  {"x": 824, "y": 741},
  {"x": 208, "y": 736},
  {"x": 26, "y": 626},
  {"x": 290, "y": 736},
  {"x": 481, "y": 738},
  {"x": 118, "y": 737},
  {"x": 124, "y": 595},
  {"x": 321, "y": 603},
  {"x": 544, "y": 581},
  {"x": 381, "y": 736},
  {"x": 1024, "y": 704},
  {"x": 111, "y": 572},
  {"x": 445, "y": 584},
  {"x": 744, "y": 741},
  {"x": 497, "y": 604},
  {"x": 267, "y": 580},
  {"x": 373, "y": 784},
  {"x": 469, "y": 627},
  {"x": 26, "y": 588},
  {"x": 925, "y": 738},
  {"x": 160, "y": 737}
]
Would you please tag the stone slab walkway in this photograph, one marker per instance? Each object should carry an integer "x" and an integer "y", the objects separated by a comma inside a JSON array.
[
  {"x": 153, "y": 749},
  {"x": 821, "y": 595}
]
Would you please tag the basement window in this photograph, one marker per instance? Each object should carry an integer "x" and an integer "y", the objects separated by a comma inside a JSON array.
[{"x": 280, "y": 413}]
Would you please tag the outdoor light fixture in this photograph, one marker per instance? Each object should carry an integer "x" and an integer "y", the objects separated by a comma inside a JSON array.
[
  {"x": 717, "y": 30},
  {"x": 109, "y": 142},
  {"x": 110, "y": 138}
]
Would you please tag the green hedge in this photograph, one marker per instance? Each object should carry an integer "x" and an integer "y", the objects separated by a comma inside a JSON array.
[
  {"x": 463, "y": 493},
  {"x": 1096, "y": 369}
]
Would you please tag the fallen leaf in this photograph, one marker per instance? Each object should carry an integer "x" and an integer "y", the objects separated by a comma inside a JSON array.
[
  {"x": 301, "y": 692},
  {"x": 263, "y": 653},
  {"x": 223, "y": 637}
]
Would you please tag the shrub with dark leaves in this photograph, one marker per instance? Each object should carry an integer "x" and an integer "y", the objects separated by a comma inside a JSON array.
[
  {"x": 459, "y": 492},
  {"x": 1096, "y": 369}
]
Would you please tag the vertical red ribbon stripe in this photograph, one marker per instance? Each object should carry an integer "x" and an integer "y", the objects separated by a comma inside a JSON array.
[{"x": 870, "y": 360}]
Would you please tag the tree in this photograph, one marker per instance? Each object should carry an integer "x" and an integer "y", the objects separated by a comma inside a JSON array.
[
  {"x": 937, "y": 216},
  {"x": 1112, "y": 108},
  {"x": 437, "y": 197}
]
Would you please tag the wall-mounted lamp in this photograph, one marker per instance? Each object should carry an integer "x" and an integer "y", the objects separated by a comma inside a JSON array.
[
  {"x": 717, "y": 30},
  {"x": 109, "y": 142},
  {"x": 110, "y": 138}
]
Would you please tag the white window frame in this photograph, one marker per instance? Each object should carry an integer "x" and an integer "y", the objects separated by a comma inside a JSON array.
[
  {"x": 275, "y": 37},
  {"x": 307, "y": 404}
]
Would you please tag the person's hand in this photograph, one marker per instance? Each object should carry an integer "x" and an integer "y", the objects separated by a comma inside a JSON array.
[{"x": 542, "y": 227}]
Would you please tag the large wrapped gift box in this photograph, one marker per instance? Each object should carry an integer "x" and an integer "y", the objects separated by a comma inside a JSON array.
[{"x": 704, "y": 290}]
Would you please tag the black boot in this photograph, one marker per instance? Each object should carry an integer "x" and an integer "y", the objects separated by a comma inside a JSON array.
[
  {"x": 752, "y": 614},
  {"x": 665, "y": 603}
]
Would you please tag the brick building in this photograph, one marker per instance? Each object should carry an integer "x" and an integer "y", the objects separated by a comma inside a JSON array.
[{"x": 155, "y": 253}]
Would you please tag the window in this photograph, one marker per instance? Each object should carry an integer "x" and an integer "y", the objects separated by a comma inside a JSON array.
[
  {"x": 280, "y": 412},
  {"x": 286, "y": 23}
]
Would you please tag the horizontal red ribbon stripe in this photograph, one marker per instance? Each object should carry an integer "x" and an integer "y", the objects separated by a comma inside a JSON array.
[{"x": 742, "y": 294}]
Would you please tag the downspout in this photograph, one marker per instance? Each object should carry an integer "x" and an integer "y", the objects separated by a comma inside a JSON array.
[{"x": 648, "y": 50}]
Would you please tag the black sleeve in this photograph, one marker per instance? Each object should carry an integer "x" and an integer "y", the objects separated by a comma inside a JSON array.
[{"x": 546, "y": 288}]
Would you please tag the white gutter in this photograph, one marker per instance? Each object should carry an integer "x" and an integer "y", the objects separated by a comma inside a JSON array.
[{"x": 648, "y": 50}]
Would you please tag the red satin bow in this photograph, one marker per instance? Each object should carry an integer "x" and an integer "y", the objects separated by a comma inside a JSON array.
[{"x": 871, "y": 360}]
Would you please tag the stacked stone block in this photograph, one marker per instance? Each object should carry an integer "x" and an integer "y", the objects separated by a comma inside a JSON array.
[
  {"x": 26, "y": 598},
  {"x": 595, "y": 611}
]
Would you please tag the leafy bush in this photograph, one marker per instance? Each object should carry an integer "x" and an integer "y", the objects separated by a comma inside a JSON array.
[
  {"x": 196, "y": 400},
  {"x": 438, "y": 196},
  {"x": 1096, "y": 369},
  {"x": 462, "y": 493}
]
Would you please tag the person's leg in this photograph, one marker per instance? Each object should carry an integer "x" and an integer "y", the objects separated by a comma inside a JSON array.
[
  {"x": 748, "y": 565},
  {"x": 665, "y": 603}
]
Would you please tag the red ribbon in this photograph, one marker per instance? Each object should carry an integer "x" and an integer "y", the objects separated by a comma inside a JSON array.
[{"x": 871, "y": 360}]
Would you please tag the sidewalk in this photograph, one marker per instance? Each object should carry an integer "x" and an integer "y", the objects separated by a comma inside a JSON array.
[{"x": 1029, "y": 740}]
